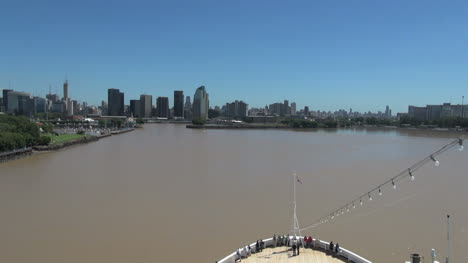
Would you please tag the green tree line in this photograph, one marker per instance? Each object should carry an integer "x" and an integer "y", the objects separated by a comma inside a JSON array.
[{"x": 18, "y": 132}]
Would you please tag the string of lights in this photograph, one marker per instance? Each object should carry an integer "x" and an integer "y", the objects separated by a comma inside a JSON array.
[{"x": 390, "y": 183}]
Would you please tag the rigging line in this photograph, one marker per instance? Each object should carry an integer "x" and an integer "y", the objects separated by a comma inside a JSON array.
[{"x": 409, "y": 171}]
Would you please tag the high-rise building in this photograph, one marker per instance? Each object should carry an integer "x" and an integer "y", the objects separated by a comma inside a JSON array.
[
  {"x": 286, "y": 109},
  {"x": 162, "y": 107},
  {"x": 70, "y": 106},
  {"x": 40, "y": 105},
  {"x": 188, "y": 108},
  {"x": 135, "y": 108},
  {"x": 200, "y": 104},
  {"x": 236, "y": 109},
  {"x": 52, "y": 97},
  {"x": 20, "y": 103},
  {"x": 306, "y": 110},
  {"x": 5, "y": 99},
  {"x": 293, "y": 109},
  {"x": 65, "y": 90},
  {"x": 115, "y": 100},
  {"x": 146, "y": 104},
  {"x": 178, "y": 104}
]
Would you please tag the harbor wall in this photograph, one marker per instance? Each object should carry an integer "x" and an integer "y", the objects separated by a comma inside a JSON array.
[{"x": 318, "y": 244}]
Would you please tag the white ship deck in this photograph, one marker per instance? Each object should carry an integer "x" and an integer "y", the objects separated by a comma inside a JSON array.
[{"x": 283, "y": 255}]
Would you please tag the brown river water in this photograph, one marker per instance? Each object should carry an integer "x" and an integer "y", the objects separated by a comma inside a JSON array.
[{"x": 165, "y": 193}]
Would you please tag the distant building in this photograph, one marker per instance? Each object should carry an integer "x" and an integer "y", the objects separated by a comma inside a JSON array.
[
  {"x": 104, "y": 108},
  {"x": 65, "y": 90},
  {"x": 436, "y": 112},
  {"x": 162, "y": 107},
  {"x": 70, "y": 106},
  {"x": 146, "y": 104},
  {"x": 293, "y": 109},
  {"x": 200, "y": 104},
  {"x": 178, "y": 104},
  {"x": 58, "y": 107},
  {"x": 306, "y": 111},
  {"x": 286, "y": 109},
  {"x": 52, "y": 97},
  {"x": 40, "y": 105},
  {"x": 236, "y": 109},
  {"x": 20, "y": 103},
  {"x": 135, "y": 108},
  {"x": 5, "y": 99},
  {"x": 188, "y": 108},
  {"x": 115, "y": 100}
]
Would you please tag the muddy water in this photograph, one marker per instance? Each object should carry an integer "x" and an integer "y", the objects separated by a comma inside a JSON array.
[{"x": 169, "y": 194}]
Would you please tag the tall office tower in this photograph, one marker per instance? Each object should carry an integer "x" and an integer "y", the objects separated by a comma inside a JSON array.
[
  {"x": 65, "y": 90},
  {"x": 20, "y": 103},
  {"x": 293, "y": 109},
  {"x": 146, "y": 102},
  {"x": 188, "y": 104},
  {"x": 286, "y": 110},
  {"x": 135, "y": 108},
  {"x": 40, "y": 105},
  {"x": 237, "y": 109},
  {"x": 200, "y": 104},
  {"x": 5, "y": 99},
  {"x": 70, "y": 106},
  {"x": 178, "y": 104},
  {"x": 306, "y": 110},
  {"x": 162, "y": 107},
  {"x": 115, "y": 101},
  {"x": 387, "y": 111}
]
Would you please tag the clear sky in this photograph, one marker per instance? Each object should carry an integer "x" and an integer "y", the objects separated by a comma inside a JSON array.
[{"x": 330, "y": 54}]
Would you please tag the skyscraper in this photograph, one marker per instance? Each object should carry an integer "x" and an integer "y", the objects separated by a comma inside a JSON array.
[
  {"x": 20, "y": 103},
  {"x": 200, "y": 104},
  {"x": 115, "y": 100},
  {"x": 293, "y": 109},
  {"x": 146, "y": 104},
  {"x": 135, "y": 108},
  {"x": 162, "y": 107},
  {"x": 65, "y": 90},
  {"x": 237, "y": 109},
  {"x": 178, "y": 104},
  {"x": 5, "y": 99},
  {"x": 188, "y": 108}
]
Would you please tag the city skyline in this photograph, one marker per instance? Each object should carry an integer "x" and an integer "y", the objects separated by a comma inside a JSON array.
[{"x": 324, "y": 55}]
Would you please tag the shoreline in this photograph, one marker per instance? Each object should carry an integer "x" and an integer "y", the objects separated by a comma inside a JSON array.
[
  {"x": 19, "y": 154},
  {"x": 436, "y": 131}
]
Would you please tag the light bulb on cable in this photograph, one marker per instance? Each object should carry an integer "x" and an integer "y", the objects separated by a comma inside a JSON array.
[
  {"x": 394, "y": 185},
  {"x": 360, "y": 202},
  {"x": 460, "y": 142},
  {"x": 411, "y": 175},
  {"x": 354, "y": 206},
  {"x": 436, "y": 162},
  {"x": 370, "y": 197},
  {"x": 380, "y": 192}
]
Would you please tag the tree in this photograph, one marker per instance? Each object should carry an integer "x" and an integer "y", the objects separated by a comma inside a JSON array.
[{"x": 198, "y": 121}]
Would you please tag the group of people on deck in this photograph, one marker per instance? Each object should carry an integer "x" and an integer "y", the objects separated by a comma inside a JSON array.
[
  {"x": 284, "y": 240},
  {"x": 334, "y": 249}
]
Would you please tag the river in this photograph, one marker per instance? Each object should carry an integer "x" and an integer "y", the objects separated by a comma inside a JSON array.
[{"x": 165, "y": 193}]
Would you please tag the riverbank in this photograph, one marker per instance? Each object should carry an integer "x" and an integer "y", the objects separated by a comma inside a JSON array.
[
  {"x": 407, "y": 130},
  {"x": 16, "y": 154},
  {"x": 57, "y": 145}
]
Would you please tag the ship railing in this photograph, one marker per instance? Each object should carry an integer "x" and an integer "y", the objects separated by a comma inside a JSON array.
[{"x": 344, "y": 254}]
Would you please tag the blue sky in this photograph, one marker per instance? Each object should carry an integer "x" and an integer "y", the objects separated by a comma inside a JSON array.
[{"x": 331, "y": 54}]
